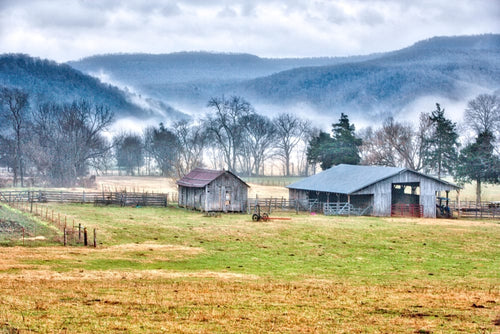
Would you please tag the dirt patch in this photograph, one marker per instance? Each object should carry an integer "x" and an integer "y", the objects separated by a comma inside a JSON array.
[
  {"x": 120, "y": 275},
  {"x": 446, "y": 222},
  {"x": 10, "y": 227},
  {"x": 152, "y": 246}
]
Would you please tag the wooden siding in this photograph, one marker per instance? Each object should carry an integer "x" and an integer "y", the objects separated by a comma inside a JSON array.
[
  {"x": 226, "y": 193},
  {"x": 379, "y": 195},
  {"x": 382, "y": 191}
]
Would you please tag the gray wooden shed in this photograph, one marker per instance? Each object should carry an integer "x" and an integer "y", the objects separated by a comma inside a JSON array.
[
  {"x": 213, "y": 190},
  {"x": 388, "y": 190}
]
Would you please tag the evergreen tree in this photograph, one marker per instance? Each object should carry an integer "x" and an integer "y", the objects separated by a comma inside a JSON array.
[
  {"x": 477, "y": 162},
  {"x": 442, "y": 145},
  {"x": 340, "y": 148},
  {"x": 316, "y": 152}
]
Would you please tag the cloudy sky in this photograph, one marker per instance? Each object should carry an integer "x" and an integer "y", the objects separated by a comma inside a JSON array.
[{"x": 71, "y": 29}]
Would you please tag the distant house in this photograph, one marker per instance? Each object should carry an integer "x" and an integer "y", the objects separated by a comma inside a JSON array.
[
  {"x": 385, "y": 190},
  {"x": 213, "y": 190}
]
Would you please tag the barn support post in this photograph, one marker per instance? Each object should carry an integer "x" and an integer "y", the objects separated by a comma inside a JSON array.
[
  {"x": 458, "y": 202},
  {"x": 348, "y": 205},
  {"x": 206, "y": 198}
]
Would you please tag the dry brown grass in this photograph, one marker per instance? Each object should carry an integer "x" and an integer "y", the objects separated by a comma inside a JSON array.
[
  {"x": 60, "y": 290},
  {"x": 138, "y": 302}
]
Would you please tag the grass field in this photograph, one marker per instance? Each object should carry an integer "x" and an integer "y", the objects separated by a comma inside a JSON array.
[{"x": 171, "y": 270}]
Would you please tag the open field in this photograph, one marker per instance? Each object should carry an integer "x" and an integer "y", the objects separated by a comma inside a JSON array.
[
  {"x": 263, "y": 187},
  {"x": 172, "y": 270}
]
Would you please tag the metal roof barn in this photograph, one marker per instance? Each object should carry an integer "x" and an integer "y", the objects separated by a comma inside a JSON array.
[{"x": 381, "y": 188}]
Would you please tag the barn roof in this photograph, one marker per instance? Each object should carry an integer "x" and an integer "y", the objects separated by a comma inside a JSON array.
[
  {"x": 348, "y": 179},
  {"x": 200, "y": 177}
]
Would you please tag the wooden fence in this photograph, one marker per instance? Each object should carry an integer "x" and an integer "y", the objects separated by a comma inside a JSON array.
[
  {"x": 278, "y": 204},
  {"x": 269, "y": 205},
  {"x": 97, "y": 198},
  {"x": 469, "y": 209}
]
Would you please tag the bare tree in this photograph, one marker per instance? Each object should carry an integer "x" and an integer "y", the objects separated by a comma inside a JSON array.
[
  {"x": 163, "y": 145},
  {"x": 192, "y": 140},
  {"x": 129, "y": 152},
  {"x": 67, "y": 139},
  {"x": 289, "y": 130},
  {"x": 483, "y": 114},
  {"x": 396, "y": 144},
  {"x": 14, "y": 110},
  {"x": 260, "y": 135},
  {"x": 225, "y": 126}
]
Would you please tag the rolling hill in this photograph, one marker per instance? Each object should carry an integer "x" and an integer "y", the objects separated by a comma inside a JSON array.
[
  {"x": 445, "y": 66},
  {"x": 382, "y": 84},
  {"x": 47, "y": 80}
]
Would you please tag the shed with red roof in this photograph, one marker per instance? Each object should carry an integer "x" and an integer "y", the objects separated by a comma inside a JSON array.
[{"x": 213, "y": 190}]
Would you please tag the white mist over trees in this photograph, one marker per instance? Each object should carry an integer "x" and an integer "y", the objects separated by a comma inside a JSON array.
[{"x": 60, "y": 144}]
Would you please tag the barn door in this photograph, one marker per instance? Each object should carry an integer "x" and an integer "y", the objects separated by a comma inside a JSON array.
[{"x": 228, "y": 197}]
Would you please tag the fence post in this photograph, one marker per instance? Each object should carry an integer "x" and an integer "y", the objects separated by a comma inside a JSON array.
[
  {"x": 85, "y": 241},
  {"x": 65, "y": 236},
  {"x": 95, "y": 239},
  {"x": 79, "y": 232}
]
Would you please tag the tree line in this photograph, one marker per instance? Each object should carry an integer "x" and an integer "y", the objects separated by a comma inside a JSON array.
[
  {"x": 232, "y": 136},
  {"x": 58, "y": 144},
  {"x": 432, "y": 146}
]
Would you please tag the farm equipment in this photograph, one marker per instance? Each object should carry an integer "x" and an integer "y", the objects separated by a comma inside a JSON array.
[
  {"x": 257, "y": 216},
  {"x": 442, "y": 209}
]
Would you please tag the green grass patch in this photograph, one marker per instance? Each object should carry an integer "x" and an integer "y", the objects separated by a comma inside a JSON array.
[
  {"x": 367, "y": 249},
  {"x": 172, "y": 270},
  {"x": 12, "y": 224}
]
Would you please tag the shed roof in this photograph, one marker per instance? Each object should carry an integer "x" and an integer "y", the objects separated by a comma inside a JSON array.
[
  {"x": 200, "y": 177},
  {"x": 348, "y": 179}
]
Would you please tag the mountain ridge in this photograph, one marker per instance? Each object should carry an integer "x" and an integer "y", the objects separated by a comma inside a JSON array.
[
  {"x": 448, "y": 66},
  {"x": 48, "y": 81}
]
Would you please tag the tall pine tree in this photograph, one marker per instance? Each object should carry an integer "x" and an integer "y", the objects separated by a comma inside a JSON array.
[
  {"x": 340, "y": 148},
  {"x": 478, "y": 162},
  {"x": 442, "y": 145}
]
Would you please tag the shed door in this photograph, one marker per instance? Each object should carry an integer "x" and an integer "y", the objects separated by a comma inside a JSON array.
[{"x": 228, "y": 198}]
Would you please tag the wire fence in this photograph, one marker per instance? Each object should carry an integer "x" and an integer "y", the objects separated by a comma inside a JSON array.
[{"x": 71, "y": 232}]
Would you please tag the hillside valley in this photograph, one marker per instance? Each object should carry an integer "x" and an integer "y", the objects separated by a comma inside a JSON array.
[{"x": 169, "y": 87}]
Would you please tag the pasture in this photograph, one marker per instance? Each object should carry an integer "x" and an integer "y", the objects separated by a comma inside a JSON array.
[{"x": 171, "y": 270}]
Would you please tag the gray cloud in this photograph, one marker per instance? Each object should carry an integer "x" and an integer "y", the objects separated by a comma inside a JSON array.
[
  {"x": 227, "y": 12},
  {"x": 69, "y": 29}
]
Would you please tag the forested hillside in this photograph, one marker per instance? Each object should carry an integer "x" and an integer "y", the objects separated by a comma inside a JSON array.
[
  {"x": 182, "y": 67},
  {"x": 444, "y": 66},
  {"x": 449, "y": 67},
  {"x": 47, "y": 81}
]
